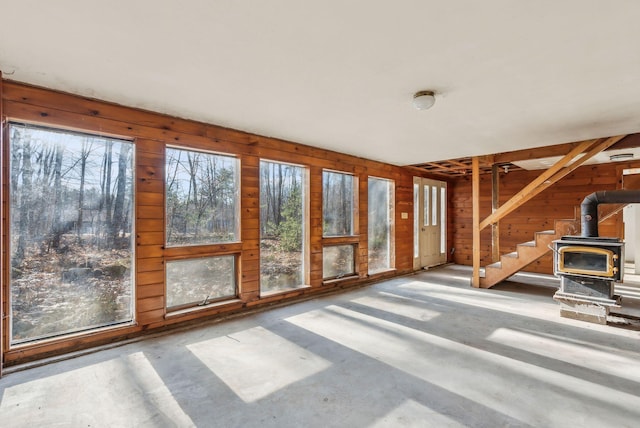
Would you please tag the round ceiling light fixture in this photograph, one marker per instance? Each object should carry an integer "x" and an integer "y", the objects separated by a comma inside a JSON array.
[{"x": 424, "y": 100}]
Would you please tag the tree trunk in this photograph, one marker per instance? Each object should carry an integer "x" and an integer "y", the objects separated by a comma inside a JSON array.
[
  {"x": 83, "y": 167},
  {"x": 105, "y": 203},
  {"x": 121, "y": 185},
  {"x": 25, "y": 198},
  {"x": 58, "y": 228}
]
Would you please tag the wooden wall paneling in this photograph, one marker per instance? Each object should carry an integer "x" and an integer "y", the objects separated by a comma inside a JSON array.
[
  {"x": 250, "y": 228},
  {"x": 150, "y": 133},
  {"x": 150, "y": 274},
  {"x": 174, "y": 129},
  {"x": 404, "y": 226},
  {"x": 315, "y": 216}
]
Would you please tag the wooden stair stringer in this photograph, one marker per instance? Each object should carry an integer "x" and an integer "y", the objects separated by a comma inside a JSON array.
[{"x": 527, "y": 252}]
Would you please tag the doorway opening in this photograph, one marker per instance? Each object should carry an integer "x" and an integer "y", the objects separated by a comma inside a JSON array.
[{"x": 430, "y": 222}]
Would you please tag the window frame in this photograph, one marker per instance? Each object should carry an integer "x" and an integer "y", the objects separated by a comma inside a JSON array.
[
  {"x": 339, "y": 277},
  {"x": 354, "y": 238},
  {"x": 206, "y": 302},
  {"x": 204, "y": 250},
  {"x": 306, "y": 227},
  {"x": 391, "y": 230},
  {"x": 237, "y": 196},
  {"x": 7, "y": 326}
]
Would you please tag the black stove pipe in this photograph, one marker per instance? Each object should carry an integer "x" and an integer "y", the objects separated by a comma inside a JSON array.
[{"x": 589, "y": 207}]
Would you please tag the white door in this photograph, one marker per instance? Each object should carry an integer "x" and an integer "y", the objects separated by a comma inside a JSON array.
[{"x": 430, "y": 222}]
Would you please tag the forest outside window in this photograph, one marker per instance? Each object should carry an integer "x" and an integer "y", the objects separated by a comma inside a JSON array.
[
  {"x": 71, "y": 248},
  {"x": 337, "y": 204},
  {"x": 202, "y": 198},
  {"x": 339, "y": 225},
  {"x": 202, "y": 202},
  {"x": 381, "y": 224},
  {"x": 282, "y": 226}
]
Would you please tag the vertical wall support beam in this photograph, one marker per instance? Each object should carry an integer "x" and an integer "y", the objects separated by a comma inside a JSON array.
[
  {"x": 475, "y": 202},
  {"x": 495, "y": 204},
  {"x": 3, "y": 225}
]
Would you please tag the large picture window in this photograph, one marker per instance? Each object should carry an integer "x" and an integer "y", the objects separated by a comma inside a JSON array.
[
  {"x": 282, "y": 226},
  {"x": 71, "y": 214},
  {"x": 381, "y": 222},
  {"x": 202, "y": 198}
]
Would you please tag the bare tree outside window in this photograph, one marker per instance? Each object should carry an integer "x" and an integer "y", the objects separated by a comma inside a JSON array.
[
  {"x": 71, "y": 205},
  {"x": 337, "y": 204},
  {"x": 338, "y": 210},
  {"x": 202, "y": 198}
]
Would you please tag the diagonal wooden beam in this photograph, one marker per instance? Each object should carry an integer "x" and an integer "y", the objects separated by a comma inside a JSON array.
[
  {"x": 516, "y": 200},
  {"x": 600, "y": 147},
  {"x": 551, "y": 176}
]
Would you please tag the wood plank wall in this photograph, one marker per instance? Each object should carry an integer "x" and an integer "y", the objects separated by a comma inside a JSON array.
[
  {"x": 557, "y": 202},
  {"x": 151, "y": 132}
]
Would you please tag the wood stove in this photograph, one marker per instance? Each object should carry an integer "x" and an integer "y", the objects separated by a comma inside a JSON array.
[
  {"x": 600, "y": 258},
  {"x": 590, "y": 265},
  {"x": 588, "y": 268}
]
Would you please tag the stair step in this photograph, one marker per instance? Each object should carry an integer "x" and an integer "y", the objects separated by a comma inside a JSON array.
[
  {"x": 527, "y": 252},
  {"x": 547, "y": 232}
]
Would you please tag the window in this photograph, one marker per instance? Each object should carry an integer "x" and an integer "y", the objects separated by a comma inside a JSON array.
[
  {"x": 201, "y": 209},
  {"x": 282, "y": 226},
  {"x": 337, "y": 203},
  {"x": 71, "y": 215},
  {"x": 426, "y": 210},
  {"x": 381, "y": 215},
  {"x": 443, "y": 219},
  {"x": 338, "y": 225},
  {"x": 200, "y": 281},
  {"x": 338, "y": 261},
  {"x": 416, "y": 220},
  {"x": 202, "y": 198},
  {"x": 434, "y": 206}
]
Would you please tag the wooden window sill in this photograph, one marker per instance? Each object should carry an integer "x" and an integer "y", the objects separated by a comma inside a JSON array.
[{"x": 202, "y": 308}]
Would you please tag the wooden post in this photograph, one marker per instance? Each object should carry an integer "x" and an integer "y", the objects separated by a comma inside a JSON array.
[
  {"x": 475, "y": 202},
  {"x": 3, "y": 227},
  {"x": 495, "y": 204}
]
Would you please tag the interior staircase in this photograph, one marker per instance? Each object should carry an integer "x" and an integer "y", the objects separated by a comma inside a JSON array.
[{"x": 528, "y": 252}]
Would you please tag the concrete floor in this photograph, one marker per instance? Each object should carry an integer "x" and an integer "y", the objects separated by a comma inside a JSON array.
[{"x": 423, "y": 350}]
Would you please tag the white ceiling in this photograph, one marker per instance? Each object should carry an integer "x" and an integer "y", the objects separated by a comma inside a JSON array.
[{"x": 340, "y": 75}]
